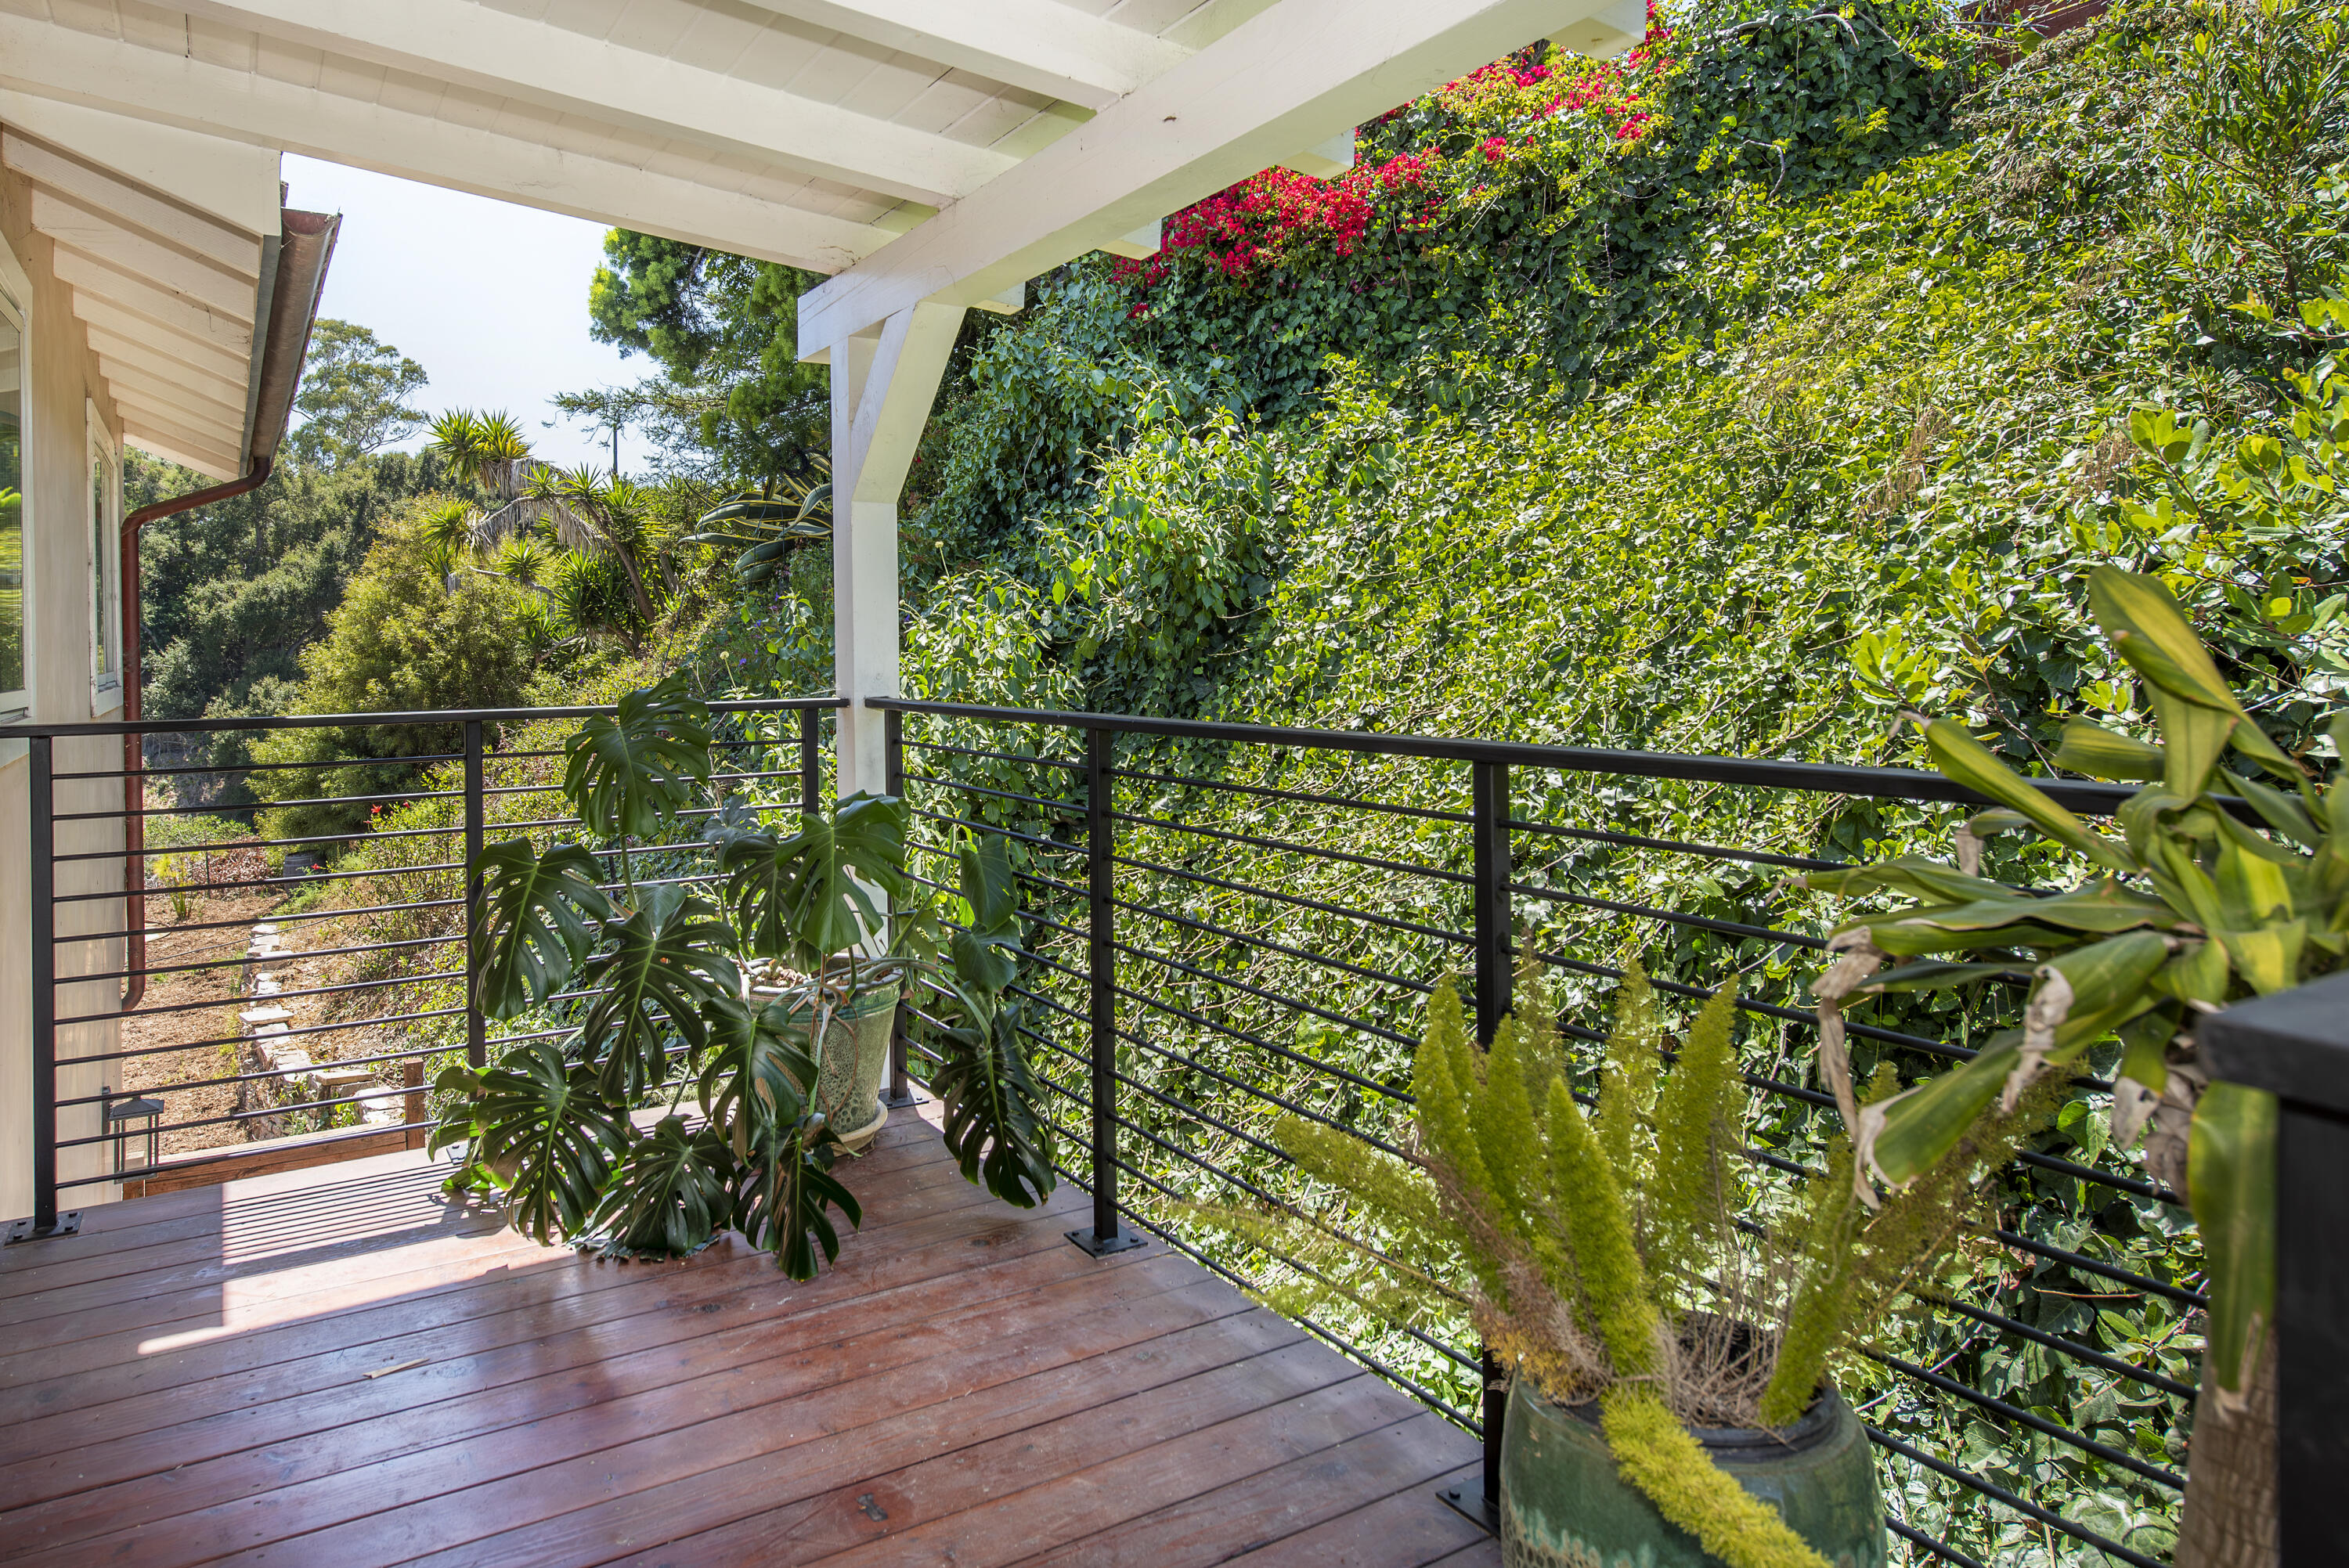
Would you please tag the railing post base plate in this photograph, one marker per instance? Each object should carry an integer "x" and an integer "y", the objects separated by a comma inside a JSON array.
[
  {"x": 911, "y": 1097},
  {"x": 1467, "y": 1500},
  {"x": 68, "y": 1225},
  {"x": 1124, "y": 1242}
]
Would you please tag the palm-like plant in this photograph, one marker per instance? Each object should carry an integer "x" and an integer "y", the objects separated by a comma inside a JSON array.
[
  {"x": 765, "y": 525},
  {"x": 2206, "y": 898}
]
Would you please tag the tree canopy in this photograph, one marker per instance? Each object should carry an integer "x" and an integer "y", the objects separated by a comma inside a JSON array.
[{"x": 353, "y": 398}]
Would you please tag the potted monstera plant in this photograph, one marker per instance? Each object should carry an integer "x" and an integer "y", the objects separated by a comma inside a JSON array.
[
  {"x": 776, "y": 1073},
  {"x": 2222, "y": 885},
  {"x": 1671, "y": 1402}
]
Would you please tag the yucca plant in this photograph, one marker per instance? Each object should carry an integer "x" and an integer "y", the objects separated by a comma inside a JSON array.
[
  {"x": 1630, "y": 1256},
  {"x": 766, "y": 524},
  {"x": 2219, "y": 886}
]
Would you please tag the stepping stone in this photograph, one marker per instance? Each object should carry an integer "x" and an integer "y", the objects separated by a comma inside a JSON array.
[{"x": 272, "y": 1014}]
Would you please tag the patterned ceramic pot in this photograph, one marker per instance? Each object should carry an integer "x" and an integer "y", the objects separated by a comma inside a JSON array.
[
  {"x": 1564, "y": 1505},
  {"x": 854, "y": 1068}
]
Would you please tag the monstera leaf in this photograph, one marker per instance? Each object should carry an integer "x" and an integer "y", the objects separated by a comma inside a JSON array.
[
  {"x": 628, "y": 774},
  {"x": 811, "y": 895},
  {"x": 668, "y": 961},
  {"x": 542, "y": 1131},
  {"x": 673, "y": 1194},
  {"x": 752, "y": 1078},
  {"x": 540, "y": 911},
  {"x": 984, "y": 1082},
  {"x": 988, "y": 1092},
  {"x": 783, "y": 1200}
]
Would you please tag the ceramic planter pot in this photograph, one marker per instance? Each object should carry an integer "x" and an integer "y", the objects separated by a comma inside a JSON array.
[
  {"x": 854, "y": 1066},
  {"x": 1564, "y": 1505}
]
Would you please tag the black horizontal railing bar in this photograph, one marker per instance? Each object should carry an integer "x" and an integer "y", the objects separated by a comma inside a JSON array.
[
  {"x": 1809, "y": 1098},
  {"x": 1054, "y": 845},
  {"x": 1941, "y": 1549},
  {"x": 393, "y": 720},
  {"x": 1322, "y": 959},
  {"x": 2129, "y": 1184},
  {"x": 1076, "y": 806},
  {"x": 2072, "y": 1348},
  {"x": 378, "y": 1093},
  {"x": 1283, "y": 846},
  {"x": 275, "y": 919},
  {"x": 949, "y": 746},
  {"x": 401, "y": 798},
  {"x": 1452, "y": 1352},
  {"x": 240, "y": 1152},
  {"x": 1670, "y": 917},
  {"x": 306, "y": 879},
  {"x": 1260, "y": 1043},
  {"x": 2015, "y": 1413},
  {"x": 1678, "y": 846},
  {"x": 1352, "y": 1351},
  {"x": 2087, "y": 1264},
  {"x": 1027, "y": 914},
  {"x": 240, "y": 960},
  {"x": 366, "y": 834},
  {"x": 1816, "y": 777},
  {"x": 1269, "y": 1098},
  {"x": 1427, "y": 813},
  {"x": 240, "y": 1116},
  {"x": 2020, "y": 1504},
  {"x": 255, "y": 1001},
  {"x": 1251, "y": 890},
  {"x": 1151, "y": 956},
  {"x": 240, "y": 1039},
  {"x": 1019, "y": 874},
  {"x": 253, "y": 767}
]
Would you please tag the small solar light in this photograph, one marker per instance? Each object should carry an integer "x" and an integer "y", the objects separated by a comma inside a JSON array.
[{"x": 123, "y": 1118}]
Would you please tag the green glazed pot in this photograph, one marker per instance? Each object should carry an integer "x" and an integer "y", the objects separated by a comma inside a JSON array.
[
  {"x": 855, "y": 1065},
  {"x": 1564, "y": 1505}
]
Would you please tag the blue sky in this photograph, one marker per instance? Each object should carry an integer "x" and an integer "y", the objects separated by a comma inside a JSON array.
[{"x": 489, "y": 298}]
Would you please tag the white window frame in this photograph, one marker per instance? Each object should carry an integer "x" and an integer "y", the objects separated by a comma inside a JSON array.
[
  {"x": 14, "y": 287},
  {"x": 102, "y": 512}
]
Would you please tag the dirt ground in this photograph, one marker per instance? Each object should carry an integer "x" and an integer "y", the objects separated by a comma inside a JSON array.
[{"x": 212, "y": 1035}]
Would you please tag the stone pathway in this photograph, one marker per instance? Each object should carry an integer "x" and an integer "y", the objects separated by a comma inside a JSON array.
[{"x": 269, "y": 1047}]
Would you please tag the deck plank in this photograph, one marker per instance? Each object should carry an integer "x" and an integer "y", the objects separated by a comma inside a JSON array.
[{"x": 184, "y": 1382}]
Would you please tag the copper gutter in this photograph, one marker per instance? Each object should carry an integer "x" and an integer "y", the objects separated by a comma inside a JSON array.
[{"x": 288, "y": 303}]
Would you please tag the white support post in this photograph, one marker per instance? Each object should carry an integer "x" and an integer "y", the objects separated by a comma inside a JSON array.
[{"x": 882, "y": 385}]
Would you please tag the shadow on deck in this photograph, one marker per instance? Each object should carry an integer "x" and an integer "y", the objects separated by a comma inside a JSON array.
[{"x": 338, "y": 1366}]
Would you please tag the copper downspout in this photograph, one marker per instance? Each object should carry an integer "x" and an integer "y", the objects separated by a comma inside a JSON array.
[
  {"x": 134, "y": 745},
  {"x": 287, "y": 304}
]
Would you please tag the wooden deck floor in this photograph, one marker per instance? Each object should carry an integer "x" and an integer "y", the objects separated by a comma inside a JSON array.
[{"x": 337, "y": 1367}]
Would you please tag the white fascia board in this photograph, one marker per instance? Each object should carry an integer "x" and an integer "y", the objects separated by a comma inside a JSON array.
[
  {"x": 228, "y": 181},
  {"x": 1040, "y": 45},
  {"x": 177, "y": 90},
  {"x": 1290, "y": 78},
  {"x": 490, "y": 50}
]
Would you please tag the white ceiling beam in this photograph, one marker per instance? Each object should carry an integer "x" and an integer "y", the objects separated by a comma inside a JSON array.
[
  {"x": 101, "y": 191},
  {"x": 167, "y": 439},
  {"x": 480, "y": 46},
  {"x": 126, "y": 78},
  {"x": 114, "y": 321},
  {"x": 228, "y": 391},
  {"x": 1040, "y": 45},
  {"x": 195, "y": 409},
  {"x": 94, "y": 233},
  {"x": 138, "y": 299},
  {"x": 1291, "y": 78}
]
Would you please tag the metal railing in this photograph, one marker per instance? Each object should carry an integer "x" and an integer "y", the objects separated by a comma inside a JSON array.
[
  {"x": 401, "y": 858},
  {"x": 1232, "y": 922}
]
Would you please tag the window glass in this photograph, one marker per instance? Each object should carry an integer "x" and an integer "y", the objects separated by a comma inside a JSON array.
[
  {"x": 12, "y": 506},
  {"x": 103, "y": 601}
]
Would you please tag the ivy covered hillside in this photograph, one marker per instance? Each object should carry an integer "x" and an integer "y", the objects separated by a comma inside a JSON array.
[{"x": 1735, "y": 397}]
